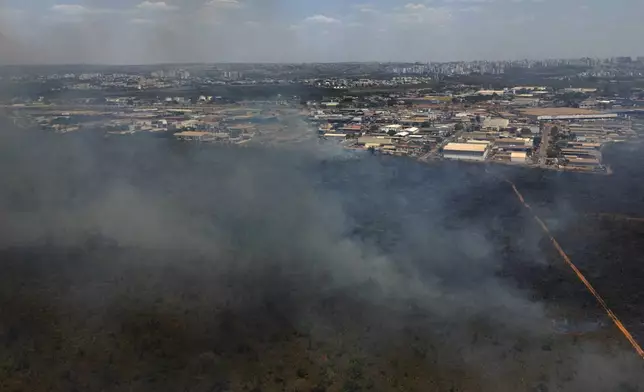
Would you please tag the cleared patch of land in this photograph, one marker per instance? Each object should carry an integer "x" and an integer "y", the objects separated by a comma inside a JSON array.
[{"x": 557, "y": 111}]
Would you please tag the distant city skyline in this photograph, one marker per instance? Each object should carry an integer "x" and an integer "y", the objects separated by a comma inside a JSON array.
[{"x": 280, "y": 31}]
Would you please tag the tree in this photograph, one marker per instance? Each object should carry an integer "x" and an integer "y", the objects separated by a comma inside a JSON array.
[
  {"x": 458, "y": 127},
  {"x": 553, "y": 152},
  {"x": 391, "y": 132}
]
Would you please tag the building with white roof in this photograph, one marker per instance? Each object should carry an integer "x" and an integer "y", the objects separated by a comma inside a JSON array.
[{"x": 466, "y": 151}]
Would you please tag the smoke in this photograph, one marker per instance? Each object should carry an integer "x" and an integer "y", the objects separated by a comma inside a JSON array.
[
  {"x": 169, "y": 266},
  {"x": 10, "y": 49},
  {"x": 204, "y": 249},
  {"x": 136, "y": 32}
]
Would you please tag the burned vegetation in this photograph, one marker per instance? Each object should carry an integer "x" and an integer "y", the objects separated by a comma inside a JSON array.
[{"x": 143, "y": 266}]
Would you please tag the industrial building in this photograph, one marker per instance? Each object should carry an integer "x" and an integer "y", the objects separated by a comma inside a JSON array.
[
  {"x": 514, "y": 144},
  {"x": 416, "y": 121},
  {"x": 391, "y": 128},
  {"x": 582, "y": 162},
  {"x": 599, "y": 116},
  {"x": 335, "y": 135},
  {"x": 496, "y": 123},
  {"x": 518, "y": 157},
  {"x": 194, "y": 136},
  {"x": 527, "y": 100},
  {"x": 588, "y": 134},
  {"x": 351, "y": 128},
  {"x": 482, "y": 135},
  {"x": 466, "y": 151},
  {"x": 492, "y": 92},
  {"x": 376, "y": 142},
  {"x": 584, "y": 146},
  {"x": 576, "y": 152}
]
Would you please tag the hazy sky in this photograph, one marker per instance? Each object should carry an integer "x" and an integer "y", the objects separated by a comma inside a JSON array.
[{"x": 134, "y": 31}]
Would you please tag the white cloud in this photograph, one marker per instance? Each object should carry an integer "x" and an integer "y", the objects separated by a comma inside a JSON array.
[
  {"x": 437, "y": 29},
  {"x": 71, "y": 9},
  {"x": 416, "y": 13},
  {"x": 415, "y": 6},
  {"x": 224, "y": 4},
  {"x": 314, "y": 20},
  {"x": 141, "y": 21},
  {"x": 365, "y": 8},
  {"x": 321, "y": 19},
  {"x": 76, "y": 12},
  {"x": 156, "y": 6},
  {"x": 470, "y": 1}
]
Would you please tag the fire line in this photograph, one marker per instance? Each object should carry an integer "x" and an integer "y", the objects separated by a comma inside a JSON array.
[
  {"x": 581, "y": 276},
  {"x": 617, "y": 217}
]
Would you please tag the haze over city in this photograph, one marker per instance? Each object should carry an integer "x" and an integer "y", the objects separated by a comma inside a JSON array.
[
  {"x": 135, "y": 32},
  {"x": 332, "y": 196}
]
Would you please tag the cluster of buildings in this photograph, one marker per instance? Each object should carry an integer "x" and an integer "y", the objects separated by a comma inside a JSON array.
[
  {"x": 205, "y": 124},
  {"x": 581, "y": 149},
  {"x": 346, "y": 83},
  {"x": 394, "y": 131},
  {"x": 496, "y": 130},
  {"x": 593, "y": 67},
  {"x": 321, "y": 74},
  {"x": 560, "y": 128}
]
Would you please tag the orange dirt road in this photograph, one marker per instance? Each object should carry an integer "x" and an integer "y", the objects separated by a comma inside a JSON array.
[{"x": 581, "y": 276}]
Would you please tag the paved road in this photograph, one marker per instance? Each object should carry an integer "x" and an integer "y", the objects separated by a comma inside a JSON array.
[
  {"x": 426, "y": 157},
  {"x": 545, "y": 143},
  {"x": 435, "y": 152}
]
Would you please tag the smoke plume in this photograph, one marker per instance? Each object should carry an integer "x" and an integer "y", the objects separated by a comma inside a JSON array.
[{"x": 191, "y": 261}]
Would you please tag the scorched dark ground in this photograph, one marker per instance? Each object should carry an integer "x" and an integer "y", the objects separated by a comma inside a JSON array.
[{"x": 146, "y": 265}]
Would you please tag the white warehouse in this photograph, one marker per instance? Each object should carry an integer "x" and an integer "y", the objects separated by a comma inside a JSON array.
[{"x": 466, "y": 151}]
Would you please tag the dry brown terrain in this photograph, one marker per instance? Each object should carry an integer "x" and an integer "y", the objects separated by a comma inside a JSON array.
[{"x": 556, "y": 111}]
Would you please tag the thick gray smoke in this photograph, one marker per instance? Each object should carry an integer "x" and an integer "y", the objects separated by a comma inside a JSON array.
[
  {"x": 268, "y": 203},
  {"x": 141, "y": 264},
  {"x": 213, "y": 250}
]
